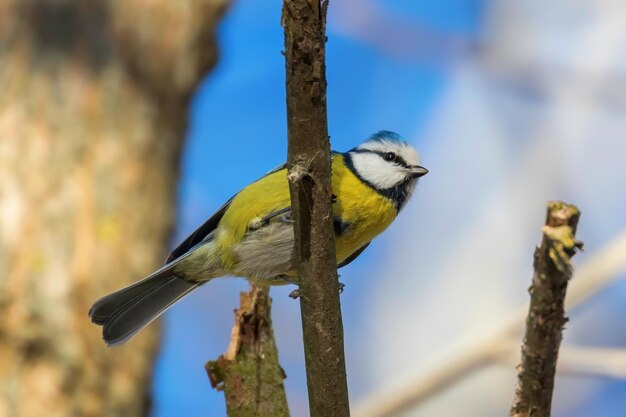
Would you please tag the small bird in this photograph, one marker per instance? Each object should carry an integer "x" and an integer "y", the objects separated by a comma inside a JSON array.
[{"x": 252, "y": 236}]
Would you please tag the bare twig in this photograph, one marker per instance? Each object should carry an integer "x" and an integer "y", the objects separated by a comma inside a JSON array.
[
  {"x": 482, "y": 346},
  {"x": 577, "y": 360},
  {"x": 396, "y": 35},
  {"x": 249, "y": 372},
  {"x": 603, "y": 362},
  {"x": 546, "y": 315},
  {"x": 309, "y": 159}
]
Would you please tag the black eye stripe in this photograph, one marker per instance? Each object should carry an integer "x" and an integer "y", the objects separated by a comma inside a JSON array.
[
  {"x": 390, "y": 156},
  {"x": 397, "y": 158}
]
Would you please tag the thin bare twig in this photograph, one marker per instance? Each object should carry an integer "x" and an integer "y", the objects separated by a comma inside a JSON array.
[{"x": 577, "y": 360}]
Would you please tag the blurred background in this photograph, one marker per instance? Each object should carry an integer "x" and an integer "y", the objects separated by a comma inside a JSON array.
[{"x": 511, "y": 104}]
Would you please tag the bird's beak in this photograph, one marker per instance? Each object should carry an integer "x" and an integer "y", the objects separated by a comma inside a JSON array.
[{"x": 417, "y": 171}]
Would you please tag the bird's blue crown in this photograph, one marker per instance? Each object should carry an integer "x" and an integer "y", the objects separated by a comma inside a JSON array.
[{"x": 386, "y": 135}]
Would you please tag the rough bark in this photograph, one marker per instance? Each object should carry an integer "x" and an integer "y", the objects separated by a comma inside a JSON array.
[
  {"x": 249, "y": 372},
  {"x": 546, "y": 316},
  {"x": 92, "y": 116},
  {"x": 308, "y": 159}
]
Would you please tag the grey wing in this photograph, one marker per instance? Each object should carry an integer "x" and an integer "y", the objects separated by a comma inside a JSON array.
[
  {"x": 200, "y": 233},
  {"x": 354, "y": 255}
]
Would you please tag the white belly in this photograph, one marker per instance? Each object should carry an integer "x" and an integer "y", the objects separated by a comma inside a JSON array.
[{"x": 266, "y": 253}]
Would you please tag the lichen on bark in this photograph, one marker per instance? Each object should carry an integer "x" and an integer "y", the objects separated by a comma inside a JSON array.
[
  {"x": 249, "y": 372},
  {"x": 546, "y": 315}
]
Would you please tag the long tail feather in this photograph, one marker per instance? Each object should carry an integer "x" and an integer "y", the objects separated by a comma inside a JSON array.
[{"x": 125, "y": 312}]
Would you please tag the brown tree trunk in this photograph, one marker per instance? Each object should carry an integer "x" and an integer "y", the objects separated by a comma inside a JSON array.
[{"x": 92, "y": 115}]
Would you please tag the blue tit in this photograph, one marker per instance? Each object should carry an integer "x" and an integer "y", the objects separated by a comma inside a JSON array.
[{"x": 252, "y": 236}]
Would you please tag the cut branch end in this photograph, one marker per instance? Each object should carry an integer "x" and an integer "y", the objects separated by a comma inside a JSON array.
[{"x": 546, "y": 316}]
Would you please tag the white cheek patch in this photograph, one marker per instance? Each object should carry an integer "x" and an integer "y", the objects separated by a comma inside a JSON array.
[
  {"x": 378, "y": 172},
  {"x": 410, "y": 155}
]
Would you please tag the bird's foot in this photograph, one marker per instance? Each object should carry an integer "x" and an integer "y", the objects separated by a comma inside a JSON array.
[{"x": 295, "y": 294}]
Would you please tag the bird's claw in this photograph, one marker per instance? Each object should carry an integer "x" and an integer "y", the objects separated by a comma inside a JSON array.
[{"x": 295, "y": 294}]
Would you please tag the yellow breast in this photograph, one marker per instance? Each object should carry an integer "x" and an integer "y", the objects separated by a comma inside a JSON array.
[{"x": 364, "y": 212}]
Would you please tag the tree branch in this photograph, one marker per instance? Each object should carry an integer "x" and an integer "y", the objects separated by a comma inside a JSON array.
[
  {"x": 309, "y": 159},
  {"x": 604, "y": 362},
  {"x": 546, "y": 316},
  {"x": 249, "y": 372}
]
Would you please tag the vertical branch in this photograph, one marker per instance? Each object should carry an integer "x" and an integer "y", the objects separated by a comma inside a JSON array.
[
  {"x": 546, "y": 316},
  {"x": 309, "y": 160},
  {"x": 249, "y": 372}
]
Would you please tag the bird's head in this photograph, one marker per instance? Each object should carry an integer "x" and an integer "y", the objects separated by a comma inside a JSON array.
[{"x": 389, "y": 164}]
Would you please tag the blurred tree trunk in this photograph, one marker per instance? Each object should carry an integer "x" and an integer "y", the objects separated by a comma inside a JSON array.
[{"x": 92, "y": 116}]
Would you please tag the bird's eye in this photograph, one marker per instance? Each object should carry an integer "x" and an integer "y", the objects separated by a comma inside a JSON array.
[{"x": 390, "y": 156}]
